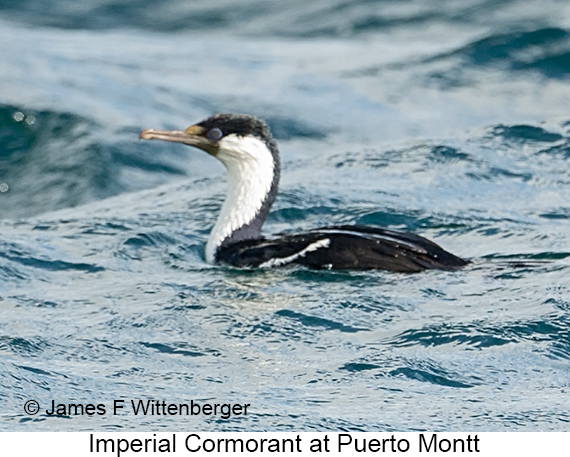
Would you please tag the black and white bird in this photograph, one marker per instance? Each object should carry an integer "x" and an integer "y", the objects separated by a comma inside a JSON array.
[{"x": 245, "y": 146}]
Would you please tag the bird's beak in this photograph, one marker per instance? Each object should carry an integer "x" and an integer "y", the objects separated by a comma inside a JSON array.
[{"x": 192, "y": 136}]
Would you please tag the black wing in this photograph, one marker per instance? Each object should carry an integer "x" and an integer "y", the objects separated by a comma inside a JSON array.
[{"x": 343, "y": 247}]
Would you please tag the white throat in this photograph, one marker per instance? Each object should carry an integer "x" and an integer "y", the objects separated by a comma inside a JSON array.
[{"x": 250, "y": 169}]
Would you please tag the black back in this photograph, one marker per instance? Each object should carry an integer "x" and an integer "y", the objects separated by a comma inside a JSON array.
[{"x": 354, "y": 247}]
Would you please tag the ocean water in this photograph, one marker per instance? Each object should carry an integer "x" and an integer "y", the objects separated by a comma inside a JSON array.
[{"x": 447, "y": 119}]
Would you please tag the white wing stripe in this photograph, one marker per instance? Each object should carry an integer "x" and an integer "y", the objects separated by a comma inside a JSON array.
[{"x": 277, "y": 262}]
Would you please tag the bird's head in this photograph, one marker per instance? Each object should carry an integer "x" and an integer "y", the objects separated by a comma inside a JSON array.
[{"x": 231, "y": 138}]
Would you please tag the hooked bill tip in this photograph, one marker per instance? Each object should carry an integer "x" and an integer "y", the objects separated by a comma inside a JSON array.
[{"x": 146, "y": 134}]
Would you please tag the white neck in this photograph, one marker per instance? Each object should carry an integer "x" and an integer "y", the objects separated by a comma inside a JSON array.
[{"x": 250, "y": 169}]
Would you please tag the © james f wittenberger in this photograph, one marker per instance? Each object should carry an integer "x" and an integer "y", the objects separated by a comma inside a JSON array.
[{"x": 142, "y": 408}]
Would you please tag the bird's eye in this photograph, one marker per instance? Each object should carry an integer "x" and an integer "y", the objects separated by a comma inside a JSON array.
[{"x": 214, "y": 134}]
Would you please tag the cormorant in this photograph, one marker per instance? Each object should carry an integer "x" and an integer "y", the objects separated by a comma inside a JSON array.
[{"x": 244, "y": 144}]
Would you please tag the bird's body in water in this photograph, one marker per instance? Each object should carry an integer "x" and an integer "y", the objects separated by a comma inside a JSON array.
[{"x": 245, "y": 146}]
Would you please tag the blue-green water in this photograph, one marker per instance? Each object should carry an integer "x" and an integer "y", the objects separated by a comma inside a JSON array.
[{"x": 448, "y": 119}]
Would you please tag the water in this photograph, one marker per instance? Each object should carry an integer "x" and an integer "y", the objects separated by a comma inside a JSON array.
[{"x": 448, "y": 119}]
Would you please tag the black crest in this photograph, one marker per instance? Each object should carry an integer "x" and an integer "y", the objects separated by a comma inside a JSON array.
[{"x": 239, "y": 124}]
